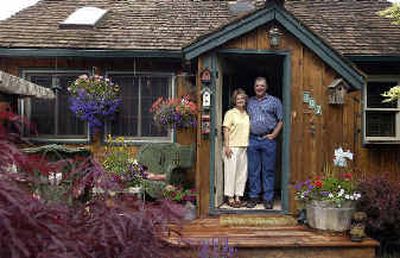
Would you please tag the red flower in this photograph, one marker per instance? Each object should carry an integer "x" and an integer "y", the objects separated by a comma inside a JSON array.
[
  {"x": 347, "y": 176},
  {"x": 318, "y": 183}
]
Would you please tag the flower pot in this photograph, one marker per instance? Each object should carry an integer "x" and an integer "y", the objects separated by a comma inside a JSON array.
[
  {"x": 190, "y": 211},
  {"x": 325, "y": 216}
]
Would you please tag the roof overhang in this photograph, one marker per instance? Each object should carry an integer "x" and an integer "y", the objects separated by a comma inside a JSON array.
[
  {"x": 373, "y": 58},
  {"x": 92, "y": 53},
  {"x": 292, "y": 25},
  {"x": 11, "y": 84}
]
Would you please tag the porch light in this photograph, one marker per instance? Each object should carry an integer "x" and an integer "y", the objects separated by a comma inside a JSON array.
[{"x": 274, "y": 36}]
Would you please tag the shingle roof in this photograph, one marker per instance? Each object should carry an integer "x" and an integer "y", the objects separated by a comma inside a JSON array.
[{"x": 350, "y": 26}]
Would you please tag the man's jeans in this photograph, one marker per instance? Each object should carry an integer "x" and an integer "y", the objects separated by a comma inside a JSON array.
[{"x": 261, "y": 155}]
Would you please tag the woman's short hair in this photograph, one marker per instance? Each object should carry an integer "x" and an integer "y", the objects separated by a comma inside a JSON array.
[{"x": 237, "y": 92}]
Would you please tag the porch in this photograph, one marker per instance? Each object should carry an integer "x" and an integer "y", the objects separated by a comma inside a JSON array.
[{"x": 271, "y": 241}]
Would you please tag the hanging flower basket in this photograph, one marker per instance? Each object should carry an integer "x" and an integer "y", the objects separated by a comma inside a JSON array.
[
  {"x": 175, "y": 113},
  {"x": 94, "y": 99}
]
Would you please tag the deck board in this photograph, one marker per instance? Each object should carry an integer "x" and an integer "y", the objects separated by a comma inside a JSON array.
[{"x": 260, "y": 237}]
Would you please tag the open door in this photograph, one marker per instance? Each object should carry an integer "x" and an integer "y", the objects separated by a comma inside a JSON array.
[{"x": 239, "y": 71}]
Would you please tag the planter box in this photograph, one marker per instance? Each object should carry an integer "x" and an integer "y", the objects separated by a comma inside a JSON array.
[{"x": 323, "y": 216}]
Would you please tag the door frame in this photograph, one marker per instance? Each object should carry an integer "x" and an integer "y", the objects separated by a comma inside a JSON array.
[{"x": 285, "y": 153}]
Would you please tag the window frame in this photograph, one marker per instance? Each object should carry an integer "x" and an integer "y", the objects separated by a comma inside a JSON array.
[
  {"x": 172, "y": 92},
  {"x": 381, "y": 139},
  {"x": 22, "y": 102}
]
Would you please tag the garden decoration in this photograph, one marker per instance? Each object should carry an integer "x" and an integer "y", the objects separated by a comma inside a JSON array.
[
  {"x": 175, "y": 113},
  {"x": 330, "y": 199},
  {"x": 357, "y": 230},
  {"x": 94, "y": 99}
]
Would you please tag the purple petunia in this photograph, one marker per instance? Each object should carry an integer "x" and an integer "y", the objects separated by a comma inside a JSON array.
[{"x": 94, "y": 100}]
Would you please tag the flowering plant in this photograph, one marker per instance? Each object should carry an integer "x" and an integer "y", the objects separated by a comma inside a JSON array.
[
  {"x": 118, "y": 162},
  {"x": 393, "y": 94},
  {"x": 179, "y": 194},
  {"x": 175, "y": 113},
  {"x": 336, "y": 187},
  {"x": 94, "y": 99}
]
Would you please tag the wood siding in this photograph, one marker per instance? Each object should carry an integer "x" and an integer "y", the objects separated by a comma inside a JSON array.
[
  {"x": 313, "y": 137},
  {"x": 183, "y": 85}
]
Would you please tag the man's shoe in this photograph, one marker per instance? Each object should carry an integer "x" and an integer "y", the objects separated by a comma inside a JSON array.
[
  {"x": 251, "y": 204},
  {"x": 268, "y": 205}
]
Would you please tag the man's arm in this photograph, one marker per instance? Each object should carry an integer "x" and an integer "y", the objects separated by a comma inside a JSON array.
[{"x": 276, "y": 131}]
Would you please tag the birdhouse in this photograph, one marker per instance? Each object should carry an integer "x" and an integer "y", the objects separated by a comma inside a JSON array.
[{"x": 337, "y": 91}]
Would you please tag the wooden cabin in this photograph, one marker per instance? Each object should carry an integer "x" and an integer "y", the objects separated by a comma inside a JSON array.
[{"x": 328, "y": 62}]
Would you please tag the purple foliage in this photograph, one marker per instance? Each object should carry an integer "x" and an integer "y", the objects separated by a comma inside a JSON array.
[{"x": 380, "y": 199}]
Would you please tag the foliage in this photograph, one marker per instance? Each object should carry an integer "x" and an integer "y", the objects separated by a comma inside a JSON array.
[
  {"x": 381, "y": 202},
  {"x": 101, "y": 227},
  {"x": 118, "y": 161},
  {"x": 94, "y": 230},
  {"x": 175, "y": 113},
  {"x": 392, "y": 12},
  {"x": 94, "y": 99},
  {"x": 392, "y": 95},
  {"x": 217, "y": 248},
  {"x": 179, "y": 194},
  {"x": 336, "y": 186}
]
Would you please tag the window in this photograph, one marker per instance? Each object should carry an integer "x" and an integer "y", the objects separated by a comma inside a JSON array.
[
  {"x": 52, "y": 119},
  {"x": 85, "y": 17},
  {"x": 138, "y": 92},
  {"x": 382, "y": 120}
]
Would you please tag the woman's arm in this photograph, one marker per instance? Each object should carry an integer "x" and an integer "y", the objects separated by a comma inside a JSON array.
[{"x": 227, "y": 149}]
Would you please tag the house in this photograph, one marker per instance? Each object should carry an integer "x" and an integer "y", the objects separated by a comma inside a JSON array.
[{"x": 307, "y": 50}]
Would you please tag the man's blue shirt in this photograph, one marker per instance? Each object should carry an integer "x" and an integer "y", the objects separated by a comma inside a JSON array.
[{"x": 264, "y": 114}]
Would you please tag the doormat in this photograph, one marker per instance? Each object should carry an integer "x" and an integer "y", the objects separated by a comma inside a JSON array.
[{"x": 256, "y": 221}]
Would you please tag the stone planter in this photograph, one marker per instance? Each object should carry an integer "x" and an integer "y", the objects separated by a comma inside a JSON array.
[{"x": 325, "y": 216}]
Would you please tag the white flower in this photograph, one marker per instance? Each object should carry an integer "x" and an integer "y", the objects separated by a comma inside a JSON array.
[
  {"x": 341, "y": 192},
  {"x": 352, "y": 198},
  {"x": 330, "y": 195},
  {"x": 347, "y": 197}
]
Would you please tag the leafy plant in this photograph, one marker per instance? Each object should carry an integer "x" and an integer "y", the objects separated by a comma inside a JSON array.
[
  {"x": 175, "y": 113},
  {"x": 336, "y": 186},
  {"x": 179, "y": 194},
  {"x": 118, "y": 161},
  {"x": 393, "y": 94},
  {"x": 381, "y": 202},
  {"x": 392, "y": 12},
  {"x": 94, "y": 99}
]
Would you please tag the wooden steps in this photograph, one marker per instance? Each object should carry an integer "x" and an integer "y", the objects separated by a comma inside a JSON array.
[{"x": 281, "y": 241}]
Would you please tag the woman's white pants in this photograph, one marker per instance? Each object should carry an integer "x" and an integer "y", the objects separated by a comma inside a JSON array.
[{"x": 235, "y": 172}]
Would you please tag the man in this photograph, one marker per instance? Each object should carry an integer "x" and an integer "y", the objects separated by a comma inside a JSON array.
[{"x": 266, "y": 116}]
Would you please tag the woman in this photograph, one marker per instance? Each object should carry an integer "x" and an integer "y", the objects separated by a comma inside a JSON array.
[{"x": 236, "y": 138}]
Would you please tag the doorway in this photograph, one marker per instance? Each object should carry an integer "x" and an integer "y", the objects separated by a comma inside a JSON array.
[{"x": 238, "y": 70}]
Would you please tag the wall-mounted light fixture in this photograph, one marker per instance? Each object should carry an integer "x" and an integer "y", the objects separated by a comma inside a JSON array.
[{"x": 274, "y": 36}]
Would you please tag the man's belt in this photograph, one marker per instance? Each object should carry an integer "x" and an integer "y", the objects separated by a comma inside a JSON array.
[{"x": 261, "y": 135}]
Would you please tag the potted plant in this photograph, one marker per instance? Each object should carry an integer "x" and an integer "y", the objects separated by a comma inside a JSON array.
[
  {"x": 330, "y": 199},
  {"x": 118, "y": 162},
  {"x": 173, "y": 113},
  {"x": 94, "y": 99},
  {"x": 186, "y": 197}
]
